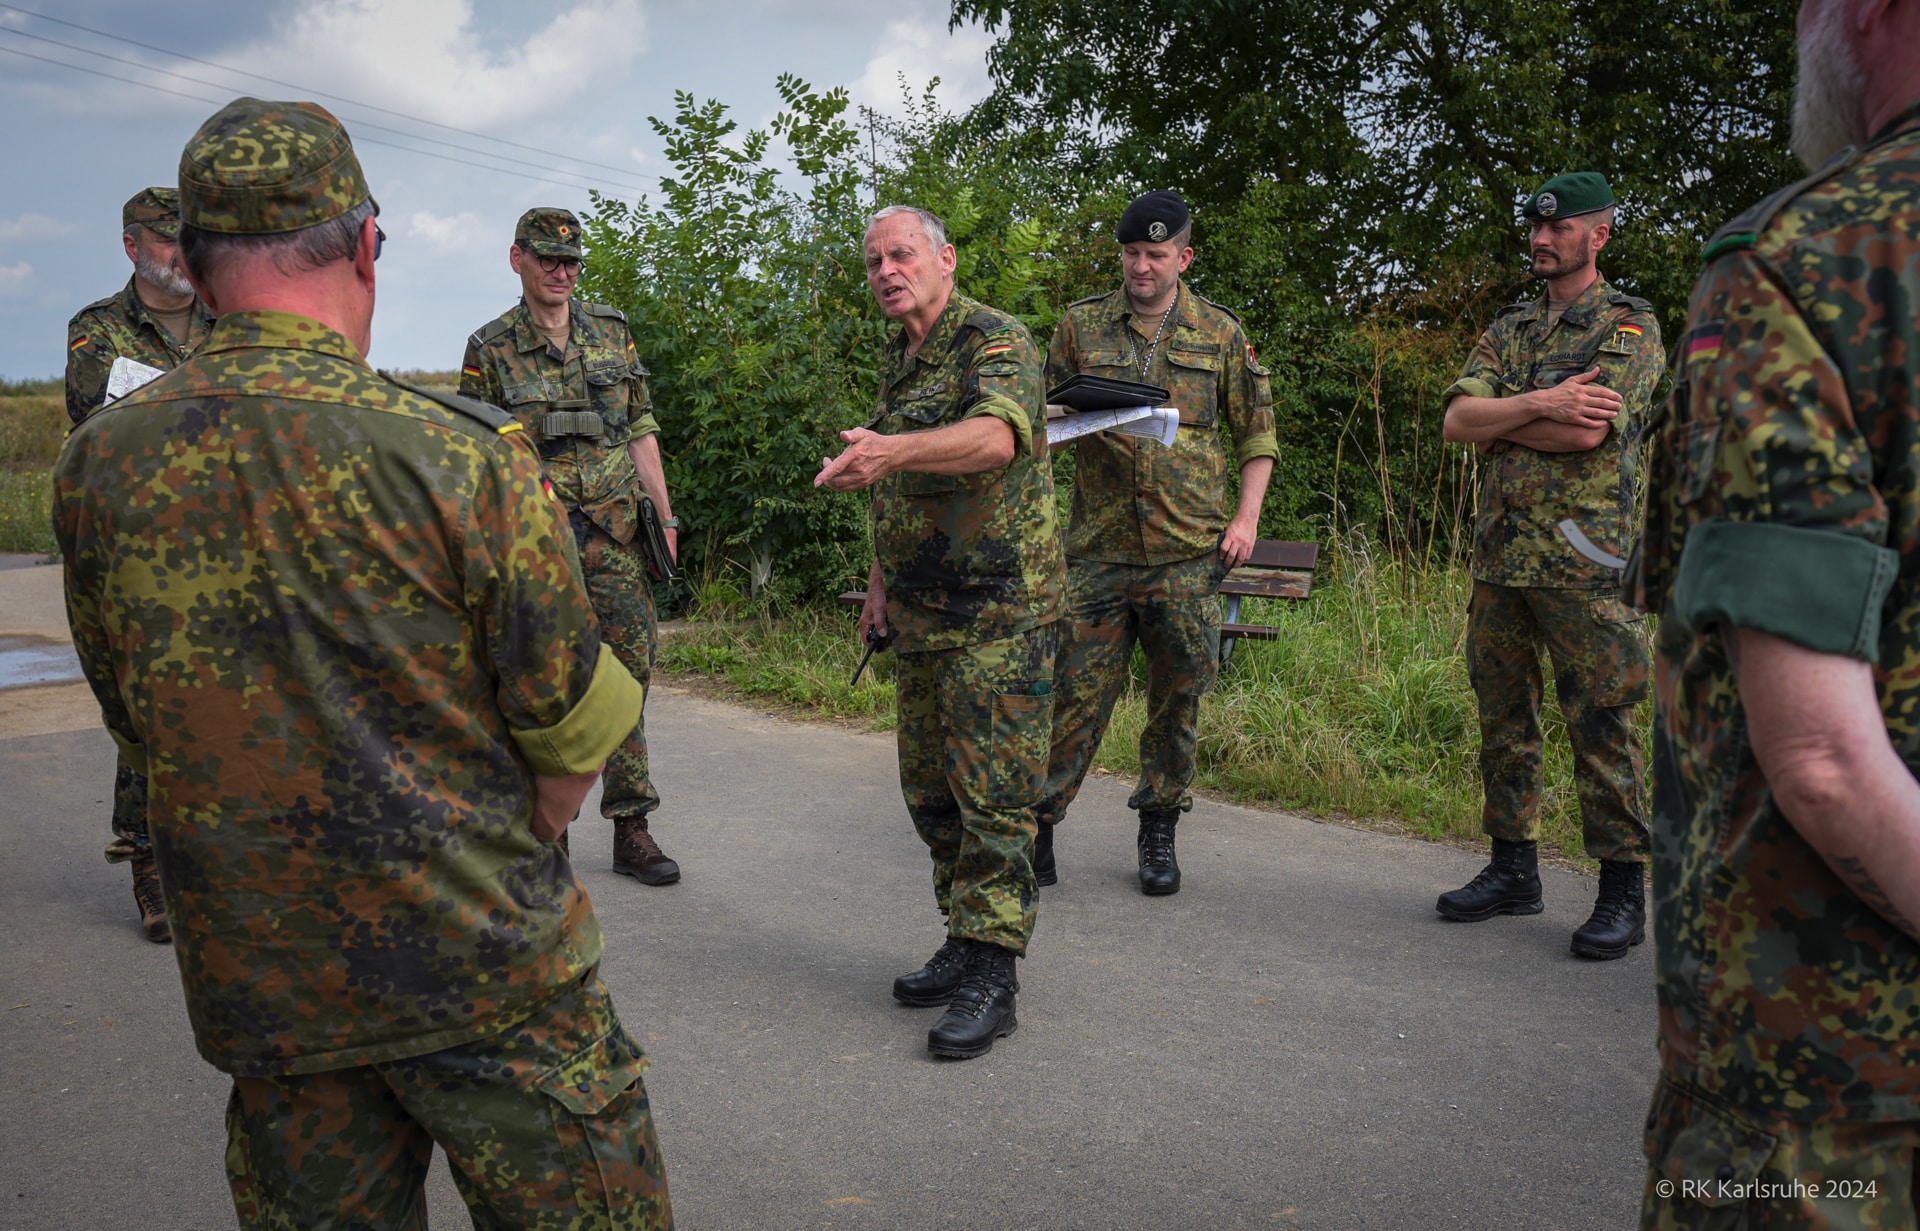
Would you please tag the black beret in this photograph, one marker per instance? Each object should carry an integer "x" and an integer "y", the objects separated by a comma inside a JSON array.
[{"x": 1153, "y": 218}]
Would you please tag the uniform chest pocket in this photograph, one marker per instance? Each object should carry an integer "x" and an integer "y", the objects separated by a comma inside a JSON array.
[
  {"x": 527, "y": 394},
  {"x": 914, "y": 483},
  {"x": 1548, "y": 377},
  {"x": 928, "y": 405},
  {"x": 607, "y": 391},
  {"x": 1105, "y": 363},
  {"x": 1195, "y": 378}
]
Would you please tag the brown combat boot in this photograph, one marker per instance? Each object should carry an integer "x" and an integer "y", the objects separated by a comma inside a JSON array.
[
  {"x": 636, "y": 854},
  {"x": 153, "y": 906}
]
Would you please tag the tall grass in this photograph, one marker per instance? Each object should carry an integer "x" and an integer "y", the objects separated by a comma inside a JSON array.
[
  {"x": 1360, "y": 710},
  {"x": 32, "y": 425}
]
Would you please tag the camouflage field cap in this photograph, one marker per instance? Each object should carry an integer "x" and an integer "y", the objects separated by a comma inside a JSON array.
[
  {"x": 266, "y": 168},
  {"x": 157, "y": 209},
  {"x": 546, "y": 231},
  {"x": 1568, "y": 196}
]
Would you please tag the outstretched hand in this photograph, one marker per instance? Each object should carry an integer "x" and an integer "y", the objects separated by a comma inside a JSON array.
[{"x": 862, "y": 463}]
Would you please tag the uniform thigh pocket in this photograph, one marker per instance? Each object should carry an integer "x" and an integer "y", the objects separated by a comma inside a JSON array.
[
  {"x": 1703, "y": 1157},
  {"x": 1621, "y": 666},
  {"x": 1022, "y": 735},
  {"x": 603, "y": 1124}
]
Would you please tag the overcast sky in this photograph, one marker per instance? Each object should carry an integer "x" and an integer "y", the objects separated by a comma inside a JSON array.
[{"x": 577, "y": 79}]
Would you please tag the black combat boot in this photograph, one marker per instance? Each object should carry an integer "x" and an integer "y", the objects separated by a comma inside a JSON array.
[
  {"x": 1510, "y": 885},
  {"x": 1044, "y": 871},
  {"x": 636, "y": 854},
  {"x": 152, "y": 903},
  {"x": 1619, "y": 919},
  {"x": 982, "y": 1006},
  {"x": 934, "y": 983},
  {"x": 1159, "y": 870}
]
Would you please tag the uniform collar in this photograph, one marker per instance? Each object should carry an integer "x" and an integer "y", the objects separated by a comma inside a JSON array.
[
  {"x": 1184, "y": 312},
  {"x": 279, "y": 331},
  {"x": 1582, "y": 312},
  {"x": 136, "y": 309},
  {"x": 939, "y": 339},
  {"x": 527, "y": 338}
]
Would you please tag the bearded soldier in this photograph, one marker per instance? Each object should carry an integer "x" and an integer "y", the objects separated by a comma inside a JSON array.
[
  {"x": 1555, "y": 398},
  {"x": 1780, "y": 552},
  {"x": 156, "y": 320}
]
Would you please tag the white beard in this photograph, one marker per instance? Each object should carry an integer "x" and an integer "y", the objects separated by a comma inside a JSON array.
[
  {"x": 1829, "y": 94},
  {"x": 161, "y": 277}
]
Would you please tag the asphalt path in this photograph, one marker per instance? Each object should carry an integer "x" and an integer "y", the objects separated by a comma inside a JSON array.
[{"x": 1294, "y": 1040}]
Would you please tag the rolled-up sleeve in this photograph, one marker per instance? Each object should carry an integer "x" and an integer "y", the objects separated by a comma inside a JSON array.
[
  {"x": 1003, "y": 378},
  {"x": 1481, "y": 374},
  {"x": 1799, "y": 546},
  {"x": 1249, "y": 402},
  {"x": 567, "y": 701}
]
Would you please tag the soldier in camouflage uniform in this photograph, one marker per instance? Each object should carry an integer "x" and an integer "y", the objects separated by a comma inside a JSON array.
[
  {"x": 966, "y": 580},
  {"x": 568, "y": 372},
  {"x": 1555, "y": 398},
  {"x": 1154, "y": 529},
  {"x": 341, "y": 627},
  {"x": 1780, "y": 551},
  {"x": 156, "y": 320}
]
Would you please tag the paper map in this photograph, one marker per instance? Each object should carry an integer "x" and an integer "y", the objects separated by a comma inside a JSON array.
[
  {"x": 125, "y": 376},
  {"x": 1147, "y": 422}
]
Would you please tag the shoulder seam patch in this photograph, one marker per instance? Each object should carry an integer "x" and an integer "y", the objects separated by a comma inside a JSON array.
[
  {"x": 601, "y": 309},
  {"x": 492, "y": 416},
  {"x": 1220, "y": 307},
  {"x": 1093, "y": 298},
  {"x": 491, "y": 330}
]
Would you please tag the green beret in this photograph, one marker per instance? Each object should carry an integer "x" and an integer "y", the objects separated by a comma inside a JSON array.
[
  {"x": 1568, "y": 196},
  {"x": 266, "y": 168},
  {"x": 157, "y": 209},
  {"x": 546, "y": 231}
]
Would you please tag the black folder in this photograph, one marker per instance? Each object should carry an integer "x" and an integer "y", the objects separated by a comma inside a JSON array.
[{"x": 1084, "y": 392}]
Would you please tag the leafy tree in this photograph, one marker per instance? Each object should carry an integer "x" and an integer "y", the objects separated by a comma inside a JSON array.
[
  {"x": 746, "y": 293},
  {"x": 1355, "y": 170}
]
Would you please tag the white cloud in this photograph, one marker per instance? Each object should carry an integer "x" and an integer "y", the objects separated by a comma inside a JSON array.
[
  {"x": 14, "y": 278},
  {"x": 34, "y": 226},
  {"x": 462, "y": 231},
  {"x": 921, "y": 48},
  {"x": 426, "y": 57}
]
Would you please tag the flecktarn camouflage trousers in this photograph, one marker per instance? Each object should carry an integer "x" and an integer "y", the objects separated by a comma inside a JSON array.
[
  {"x": 622, "y": 596},
  {"x": 1173, "y": 613},
  {"x": 1713, "y": 1167},
  {"x": 974, "y": 726},
  {"x": 130, "y": 837},
  {"x": 1600, "y": 672},
  {"x": 546, "y": 1127}
]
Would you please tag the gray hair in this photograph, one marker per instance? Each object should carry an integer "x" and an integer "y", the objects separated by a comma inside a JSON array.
[
  {"x": 930, "y": 223},
  {"x": 206, "y": 253}
]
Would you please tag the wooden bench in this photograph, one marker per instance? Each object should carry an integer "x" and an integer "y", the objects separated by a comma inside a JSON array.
[{"x": 1276, "y": 569}]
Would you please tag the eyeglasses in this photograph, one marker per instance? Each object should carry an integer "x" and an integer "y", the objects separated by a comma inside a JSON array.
[
  {"x": 379, "y": 240},
  {"x": 573, "y": 267}
]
